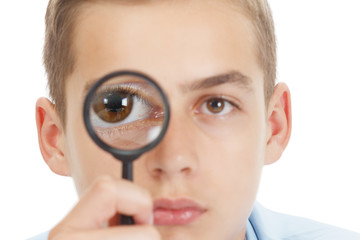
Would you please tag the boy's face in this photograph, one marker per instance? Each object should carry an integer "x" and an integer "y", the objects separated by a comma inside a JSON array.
[{"x": 214, "y": 150}]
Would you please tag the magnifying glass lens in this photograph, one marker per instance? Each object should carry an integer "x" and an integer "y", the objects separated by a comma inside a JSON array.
[{"x": 127, "y": 112}]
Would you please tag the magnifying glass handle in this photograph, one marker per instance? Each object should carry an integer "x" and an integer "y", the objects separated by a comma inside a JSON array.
[{"x": 127, "y": 174}]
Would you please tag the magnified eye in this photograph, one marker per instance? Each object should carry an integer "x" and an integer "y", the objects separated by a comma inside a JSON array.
[{"x": 113, "y": 106}]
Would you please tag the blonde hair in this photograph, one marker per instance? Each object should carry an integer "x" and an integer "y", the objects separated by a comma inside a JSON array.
[{"x": 59, "y": 59}]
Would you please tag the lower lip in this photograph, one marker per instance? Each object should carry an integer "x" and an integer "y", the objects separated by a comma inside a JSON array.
[{"x": 164, "y": 216}]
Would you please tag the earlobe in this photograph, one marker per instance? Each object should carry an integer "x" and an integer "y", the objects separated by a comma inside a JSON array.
[
  {"x": 51, "y": 137},
  {"x": 278, "y": 123}
]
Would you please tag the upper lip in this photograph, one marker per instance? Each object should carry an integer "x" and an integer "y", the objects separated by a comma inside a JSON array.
[{"x": 178, "y": 203}]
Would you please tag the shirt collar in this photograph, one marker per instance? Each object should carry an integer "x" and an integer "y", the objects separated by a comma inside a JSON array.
[{"x": 250, "y": 232}]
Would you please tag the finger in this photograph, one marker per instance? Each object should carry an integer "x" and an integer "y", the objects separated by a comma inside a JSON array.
[
  {"x": 108, "y": 197},
  {"x": 138, "y": 232}
]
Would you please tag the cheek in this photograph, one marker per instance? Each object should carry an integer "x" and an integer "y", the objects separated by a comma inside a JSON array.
[
  {"x": 236, "y": 163},
  {"x": 235, "y": 158},
  {"x": 230, "y": 163},
  {"x": 240, "y": 139}
]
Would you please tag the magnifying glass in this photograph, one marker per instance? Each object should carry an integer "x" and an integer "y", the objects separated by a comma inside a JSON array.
[{"x": 126, "y": 113}]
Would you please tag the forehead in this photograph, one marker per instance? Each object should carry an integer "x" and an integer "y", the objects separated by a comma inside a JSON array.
[{"x": 174, "y": 40}]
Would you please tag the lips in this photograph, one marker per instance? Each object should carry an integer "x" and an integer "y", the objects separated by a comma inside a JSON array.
[{"x": 176, "y": 212}]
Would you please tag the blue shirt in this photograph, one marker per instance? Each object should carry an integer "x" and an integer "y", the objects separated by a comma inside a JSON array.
[{"x": 264, "y": 224}]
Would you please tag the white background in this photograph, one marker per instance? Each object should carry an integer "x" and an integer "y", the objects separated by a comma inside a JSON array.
[{"x": 319, "y": 174}]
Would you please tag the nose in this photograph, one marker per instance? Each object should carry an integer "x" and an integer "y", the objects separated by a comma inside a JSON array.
[{"x": 176, "y": 154}]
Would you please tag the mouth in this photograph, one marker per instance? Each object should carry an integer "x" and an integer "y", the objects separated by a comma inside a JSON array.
[{"x": 180, "y": 211}]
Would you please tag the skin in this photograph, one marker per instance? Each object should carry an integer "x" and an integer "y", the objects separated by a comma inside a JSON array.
[{"x": 213, "y": 159}]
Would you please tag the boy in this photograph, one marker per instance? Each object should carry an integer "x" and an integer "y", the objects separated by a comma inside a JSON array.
[{"x": 216, "y": 61}]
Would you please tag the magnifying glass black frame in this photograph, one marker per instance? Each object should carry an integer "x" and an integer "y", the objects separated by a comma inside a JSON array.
[{"x": 125, "y": 156}]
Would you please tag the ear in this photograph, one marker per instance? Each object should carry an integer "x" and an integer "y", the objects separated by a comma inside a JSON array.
[
  {"x": 278, "y": 123},
  {"x": 51, "y": 137}
]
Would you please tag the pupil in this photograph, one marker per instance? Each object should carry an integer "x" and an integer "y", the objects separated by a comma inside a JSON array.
[
  {"x": 115, "y": 103},
  {"x": 215, "y": 105},
  {"x": 113, "y": 106}
]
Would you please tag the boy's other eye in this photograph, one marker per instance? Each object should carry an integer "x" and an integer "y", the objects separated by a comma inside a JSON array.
[{"x": 216, "y": 106}]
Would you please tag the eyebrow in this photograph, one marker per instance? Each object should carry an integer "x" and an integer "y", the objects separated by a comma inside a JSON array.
[{"x": 233, "y": 77}]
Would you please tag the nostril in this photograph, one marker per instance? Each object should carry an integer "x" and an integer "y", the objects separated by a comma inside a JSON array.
[
  {"x": 186, "y": 170},
  {"x": 169, "y": 163},
  {"x": 158, "y": 171}
]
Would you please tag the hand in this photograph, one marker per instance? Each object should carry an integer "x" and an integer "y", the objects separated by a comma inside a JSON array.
[{"x": 105, "y": 199}]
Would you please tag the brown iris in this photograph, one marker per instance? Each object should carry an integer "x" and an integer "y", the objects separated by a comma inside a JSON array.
[
  {"x": 113, "y": 106},
  {"x": 215, "y": 105}
]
